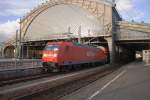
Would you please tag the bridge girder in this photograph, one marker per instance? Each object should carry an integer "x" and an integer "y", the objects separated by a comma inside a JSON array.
[{"x": 132, "y": 31}]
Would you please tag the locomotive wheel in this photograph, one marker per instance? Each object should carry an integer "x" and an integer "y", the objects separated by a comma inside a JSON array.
[
  {"x": 62, "y": 68},
  {"x": 54, "y": 68},
  {"x": 93, "y": 64},
  {"x": 45, "y": 69}
]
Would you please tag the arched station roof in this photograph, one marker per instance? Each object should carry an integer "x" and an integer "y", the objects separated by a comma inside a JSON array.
[{"x": 56, "y": 17}]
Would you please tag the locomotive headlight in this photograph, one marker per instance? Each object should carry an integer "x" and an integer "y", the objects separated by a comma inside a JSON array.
[
  {"x": 50, "y": 55},
  {"x": 55, "y": 55},
  {"x": 45, "y": 55}
]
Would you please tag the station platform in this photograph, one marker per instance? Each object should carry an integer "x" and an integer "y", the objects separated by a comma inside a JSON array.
[{"x": 131, "y": 82}]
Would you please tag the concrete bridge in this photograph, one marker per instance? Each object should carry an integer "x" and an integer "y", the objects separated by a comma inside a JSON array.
[
  {"x": 132, "y": 31},
  {"x": 131, "y": 37}
]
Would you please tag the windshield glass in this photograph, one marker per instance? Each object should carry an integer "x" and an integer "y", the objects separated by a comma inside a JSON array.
[{"x": 52, "y": 47}]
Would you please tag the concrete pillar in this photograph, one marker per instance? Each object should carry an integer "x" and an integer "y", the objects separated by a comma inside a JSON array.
[
  {"x": 16, "y": 46},
  {"x": 112, "y": 50},
  {"x": 19, "y": 51},
  {"x": 22, "y": 51},
  {"x": 109, "y": 40},
  {"x": 27, "y": 52},
  {"x": 3, "y": 52},
  {"x": 1, "y": 55},
  {"x": 117, "y": 53}
]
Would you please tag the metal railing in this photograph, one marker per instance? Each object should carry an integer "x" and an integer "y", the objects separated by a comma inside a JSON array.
[{"x": 9, "y": 64}]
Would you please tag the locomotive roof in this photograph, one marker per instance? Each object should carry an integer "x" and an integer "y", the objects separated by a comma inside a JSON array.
[{"x": 72, "y": 43}]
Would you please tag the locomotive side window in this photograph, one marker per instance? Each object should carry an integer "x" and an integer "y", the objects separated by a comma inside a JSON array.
[{"x": 52, "y": 47}]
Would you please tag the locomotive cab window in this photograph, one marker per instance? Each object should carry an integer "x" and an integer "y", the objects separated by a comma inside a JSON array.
[{"x": 52, "y": 47}]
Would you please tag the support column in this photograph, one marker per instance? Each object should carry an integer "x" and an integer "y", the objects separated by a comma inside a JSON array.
[
  {"x": 3, "y": 56},
  {"x": 27, "y": 52},
  {"x": 22, "y": 51},
  {"x": 16, "y": 45},
  {"x": 20, "y": 45},
  {"x": 112, "y": 50},
  {"x": 117, "y": 53},
  {"x": 2, "y": 51}
]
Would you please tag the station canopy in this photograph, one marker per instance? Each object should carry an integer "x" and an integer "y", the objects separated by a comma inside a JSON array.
[{"x": 57, "y": 20}]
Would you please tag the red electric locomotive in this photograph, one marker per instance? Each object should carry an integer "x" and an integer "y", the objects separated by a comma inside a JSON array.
[{"x": 56, "y": 55}]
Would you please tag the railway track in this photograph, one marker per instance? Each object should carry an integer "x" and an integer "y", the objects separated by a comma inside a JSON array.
[
  {"x": 11, "y": 81},
  {"x": 58, "y": 92},
  {"x": 53, "y": 85},
  {"x": 23, "y": 79}
]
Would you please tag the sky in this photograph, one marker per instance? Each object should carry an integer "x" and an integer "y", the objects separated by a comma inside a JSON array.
[{"x": 12, "y": 10}]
